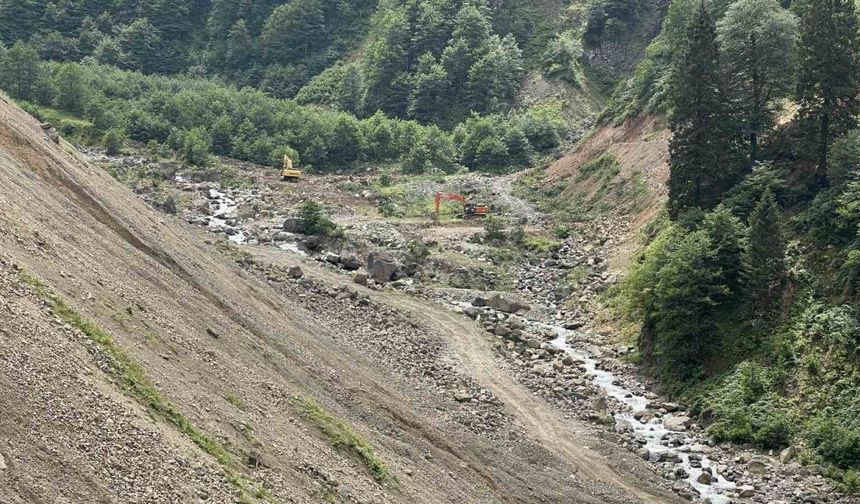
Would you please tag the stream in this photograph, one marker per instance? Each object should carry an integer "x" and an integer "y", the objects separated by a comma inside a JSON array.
[{"x": 655, "y": 435}]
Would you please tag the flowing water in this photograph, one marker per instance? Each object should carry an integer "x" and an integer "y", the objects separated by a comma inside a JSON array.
[{"x": 654, "y": 433}]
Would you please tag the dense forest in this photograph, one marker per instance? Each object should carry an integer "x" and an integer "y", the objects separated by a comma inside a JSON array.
[
  {"x": 431, "y": 84},
  {"x": 748, "y": 293}
]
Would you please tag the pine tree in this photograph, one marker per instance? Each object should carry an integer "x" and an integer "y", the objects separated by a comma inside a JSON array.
[
  {"x": 764, "y": 257},
  {"x": 702, "y": 147},
  {"x": 828, "y": 85},
  {"x": 758, "y": 41}
]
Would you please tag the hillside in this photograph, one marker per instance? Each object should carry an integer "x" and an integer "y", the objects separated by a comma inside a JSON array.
[{"x": 116, "y": 315}]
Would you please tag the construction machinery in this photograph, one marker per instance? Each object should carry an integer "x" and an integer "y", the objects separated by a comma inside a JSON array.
[
  {"x": 470, "y": 210},
  {"x": 288, "y": 172}
]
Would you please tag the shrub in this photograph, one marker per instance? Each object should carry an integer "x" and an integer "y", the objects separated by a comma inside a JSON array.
[
  {"x": 114, "y": 140},
  {"x": 312, "y": 220},
  {"x": 195, "y": 148},
  {"x": 494, "y": 229},
  {"x": 561, "y": 231}
]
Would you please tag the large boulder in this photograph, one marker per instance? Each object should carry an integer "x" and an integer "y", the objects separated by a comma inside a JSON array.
[
  {"x": 292, "y": 225},
  {"x": 350, "y": 261},
  {"x": 381, "y": 266},
  {"x": 678, "y": 423},
  {"x": 506, "y": 305}
]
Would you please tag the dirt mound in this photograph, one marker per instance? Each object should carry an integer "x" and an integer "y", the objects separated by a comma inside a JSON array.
[{"x": 140, "y": 364}]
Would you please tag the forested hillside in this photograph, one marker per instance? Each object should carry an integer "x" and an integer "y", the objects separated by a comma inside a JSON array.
[
  {"x": 747, "y": 299},
  {"x": 237, "y": 78}
]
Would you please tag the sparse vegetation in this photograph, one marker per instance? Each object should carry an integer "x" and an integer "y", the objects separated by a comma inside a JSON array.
[
  {"x": 133, "y": 381},
  {"x": 343, "y": 436},
  {"x": 313, "y": 221}
]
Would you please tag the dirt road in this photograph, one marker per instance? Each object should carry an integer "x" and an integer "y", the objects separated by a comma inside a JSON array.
[{"x": 567, "y": 439}]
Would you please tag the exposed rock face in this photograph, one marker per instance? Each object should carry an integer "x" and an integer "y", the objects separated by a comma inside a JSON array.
[{"x": 381, "y": 266}]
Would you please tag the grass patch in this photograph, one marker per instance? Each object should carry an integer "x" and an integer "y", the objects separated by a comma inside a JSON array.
[
  {"x": 542, "y": 244},
  {"x": 605, "y": 167},
  {"x": 343, "y": 436},
  {"x": 66, "y": 123},
  {"x": 134, "y": 382},
  {"x": 235, "y": 401}
]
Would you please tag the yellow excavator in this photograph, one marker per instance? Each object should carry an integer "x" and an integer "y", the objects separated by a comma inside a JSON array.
[{"x": 288, "y": 172}]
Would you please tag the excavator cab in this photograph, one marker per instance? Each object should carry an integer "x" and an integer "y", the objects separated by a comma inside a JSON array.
[
  {"x": 288, "y": 172},
  {"x": 470, "y": 210}
]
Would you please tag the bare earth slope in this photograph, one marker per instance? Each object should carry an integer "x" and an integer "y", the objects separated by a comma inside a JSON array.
[{"x": 232, "y": 355}]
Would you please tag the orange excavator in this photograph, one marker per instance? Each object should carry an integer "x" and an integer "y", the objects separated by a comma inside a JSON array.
[{"x": 470, "y": 210}]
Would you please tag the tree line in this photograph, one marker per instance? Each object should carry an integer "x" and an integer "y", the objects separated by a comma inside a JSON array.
[
  {"x": 763, "y": 109},
  {"x": 200, "y": 115}
]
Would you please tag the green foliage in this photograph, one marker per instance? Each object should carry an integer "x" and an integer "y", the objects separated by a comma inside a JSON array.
[
  {"x": 827, "y": 90},
  {"x": 195, "y": 147},
  {"x": 764, "y": 257},
  {"x": 844, "y": 163},
  {"x": 114, "y": 141},
  {"x": 494, "y": 229},
  {"x": 343, "y": 436},
  {"x": 748, "y": 409},
  {"x": 757, "y": 40},
  {"x": 313, "y": 221},
  {"x": 542, "y": 244},
  {"x": 702, "y": 164}
]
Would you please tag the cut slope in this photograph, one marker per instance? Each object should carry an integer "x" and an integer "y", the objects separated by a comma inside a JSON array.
[{"x": 228, "y": 352}]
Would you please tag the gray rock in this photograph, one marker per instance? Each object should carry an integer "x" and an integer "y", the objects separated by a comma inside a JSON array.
[
  {"x": 746, "y": 491},
  {"x": 502, "y": 331},
  {"x": 350, "y": 261},
  {"x": 788, "y": 454},
  {"x": 497, "y": 302},
  {"x": 757, "y": 467},
  {"x": 296, "y": 272},
  {"x": 668, "y": 456},
  {"x": 2, "y": 463},
  {"x": 705, "y": 478},
  {"x": 312, "y": 242},
  {"x": 644, "y": 454},
  {"x": 678, "y": 423},
  {"x": 533, "y": 343},
  {"x": 291, "y": 225},
  {"x": 381, "y": 266},
  {"x": 462, "y": 396}
]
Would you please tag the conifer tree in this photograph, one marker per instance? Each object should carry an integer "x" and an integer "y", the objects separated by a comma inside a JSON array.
[
  {"x": 764, "y": 257},
  {"x": 702, "y": 146},
  {"x": 758, "y": 42},
  {"x": 828, "y": 84}
]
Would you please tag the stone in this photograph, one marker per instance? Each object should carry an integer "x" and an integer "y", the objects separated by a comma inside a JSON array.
[
  {"x": 757, "y": 467},
  {"x": 502, "y": 304},
  {"x": 678, "y": 423},
  {"x": 502, "y": 331},
  {"x": 295, "y": 272},
  {"x": 2, "y": 463},
  {"x": 705, "y": 478},
  {"x": 350, "y": 261},
  {"x": 291, "y": 225},
  {"x": 668, "y": 456},
  {"x": 644, "y": 454},
  {"x": 462, "y": 396},
  {"x": 381, "y": 266},
  {"x": 533, "y": 343},
  {"x": 331, "y": 258},
  {"x": 360, "y": 279},
  {"x": 787, "y": 455},
  {"x": 746, "y": 491},
  {"x": 312, "y": 242}
]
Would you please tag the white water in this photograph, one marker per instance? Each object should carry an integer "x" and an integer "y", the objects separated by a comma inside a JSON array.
[
  {"x": 223, "y": 208},
  {"x": 655, "y": 431}
]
